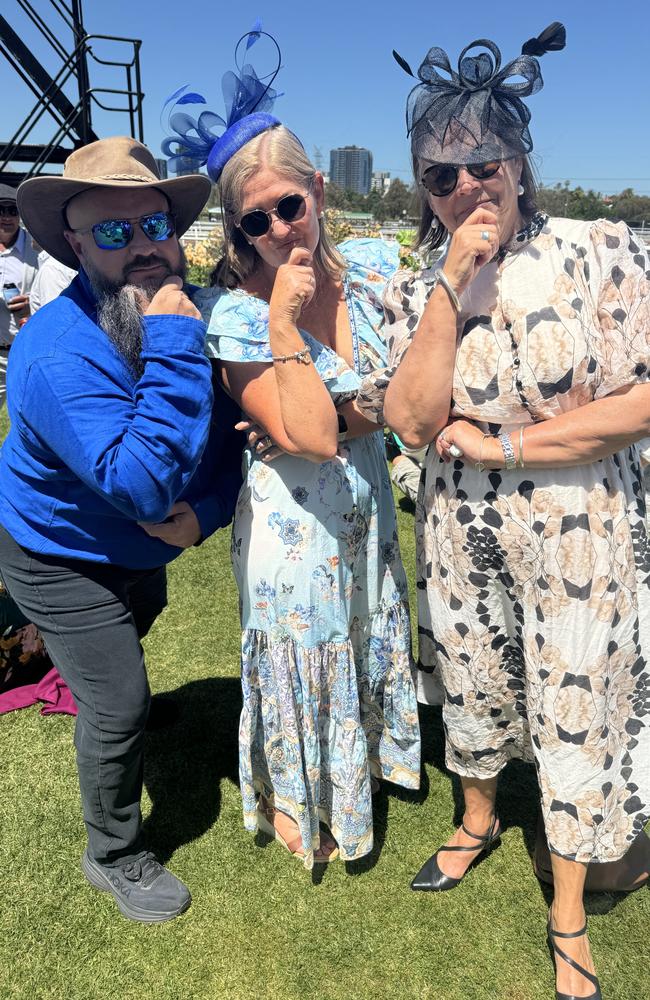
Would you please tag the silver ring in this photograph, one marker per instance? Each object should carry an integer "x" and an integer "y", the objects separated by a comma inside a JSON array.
[
  {"x": 485, "y": 235},
  {"x": 455, "y": 451},
  {"x": 264, "y": 443}
]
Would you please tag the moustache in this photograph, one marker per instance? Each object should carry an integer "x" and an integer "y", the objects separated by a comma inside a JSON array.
[{"x": 152, "y": 261}]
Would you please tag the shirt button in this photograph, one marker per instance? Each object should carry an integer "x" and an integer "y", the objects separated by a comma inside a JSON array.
[{"x": 516, "y": 362}]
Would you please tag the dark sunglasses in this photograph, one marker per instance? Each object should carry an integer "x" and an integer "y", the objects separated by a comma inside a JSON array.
[
  {"x": 257, "y": 223},
  {"x": 115, "y": 234},
  {"x": 441, "y": 179},
  {"x": 8, "y": 210}
]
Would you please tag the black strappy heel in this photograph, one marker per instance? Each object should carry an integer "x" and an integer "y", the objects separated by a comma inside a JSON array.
[
  {"x": 431, "y": 878},
  {"x": 589, "y": 976}
]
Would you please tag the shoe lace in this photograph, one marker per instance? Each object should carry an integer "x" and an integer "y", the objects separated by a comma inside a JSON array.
[{"x": 145, "y": 870}]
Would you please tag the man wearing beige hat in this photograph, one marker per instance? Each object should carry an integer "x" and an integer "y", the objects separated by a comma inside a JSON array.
[{"x": 116, "y": 460}]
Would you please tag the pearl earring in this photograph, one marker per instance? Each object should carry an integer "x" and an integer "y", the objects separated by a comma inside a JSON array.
[
  {"x": 520, "y": 189},
  {"x": 435, "y": 222}
]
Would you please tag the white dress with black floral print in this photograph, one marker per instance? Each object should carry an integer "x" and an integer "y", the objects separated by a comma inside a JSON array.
[{"x": 534, "y": 585}]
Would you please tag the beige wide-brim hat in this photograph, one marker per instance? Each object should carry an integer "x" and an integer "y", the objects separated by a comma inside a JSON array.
[{"x": 118, "y": 162}]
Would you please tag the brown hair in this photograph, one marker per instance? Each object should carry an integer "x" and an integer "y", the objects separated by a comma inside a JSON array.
[
  {"x": 280, "y": 150},
  {"x": 430, "y": 238}
]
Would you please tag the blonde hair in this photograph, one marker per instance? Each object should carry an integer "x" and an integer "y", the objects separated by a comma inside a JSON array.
[{"x": 278, "y": 149}]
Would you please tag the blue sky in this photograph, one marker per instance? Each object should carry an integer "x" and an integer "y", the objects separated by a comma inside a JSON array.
[{"x": 590, "y": 123}]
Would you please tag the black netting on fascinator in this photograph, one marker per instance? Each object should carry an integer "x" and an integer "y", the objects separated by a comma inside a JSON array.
[
  {"x": 477, "y": 113},
  {"x": 210, "y": 138}
]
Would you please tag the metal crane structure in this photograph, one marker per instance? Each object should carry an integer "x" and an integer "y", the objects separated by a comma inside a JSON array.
[{"x": 65, "y": 96}]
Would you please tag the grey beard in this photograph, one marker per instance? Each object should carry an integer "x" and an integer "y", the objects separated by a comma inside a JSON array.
[{"x": 119, "y": 313}]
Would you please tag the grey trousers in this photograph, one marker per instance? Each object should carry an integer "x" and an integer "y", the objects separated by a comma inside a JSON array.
[
  {"x": 406, "y": 474},
  {"x": 92, "y": 617}
]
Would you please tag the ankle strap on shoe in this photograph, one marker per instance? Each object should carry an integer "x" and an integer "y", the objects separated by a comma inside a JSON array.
[
  {"x": 573, "y": 934},
  {"x": 484, "y": 838},
  {"x": 589, "y": 976}
]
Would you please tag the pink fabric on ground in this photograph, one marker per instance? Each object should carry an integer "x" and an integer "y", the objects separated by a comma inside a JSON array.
[
  {"x": 54, "y": 691},
  {"x": 51, "y": 689}
]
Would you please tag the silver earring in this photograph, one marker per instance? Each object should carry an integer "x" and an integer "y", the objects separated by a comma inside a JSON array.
[
  {"x": 435, "y": 222},
  {"x": 520, "y": 189}
]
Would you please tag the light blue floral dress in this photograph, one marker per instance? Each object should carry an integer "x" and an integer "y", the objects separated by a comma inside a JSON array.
[{"x": 326, "y": 665}]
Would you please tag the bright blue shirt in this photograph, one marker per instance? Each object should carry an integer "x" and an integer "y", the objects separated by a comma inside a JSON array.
[{"x": 92, "y": 450}]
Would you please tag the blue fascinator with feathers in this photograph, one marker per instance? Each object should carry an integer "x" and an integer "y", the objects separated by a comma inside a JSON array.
[{"x": 210, "y": 138}]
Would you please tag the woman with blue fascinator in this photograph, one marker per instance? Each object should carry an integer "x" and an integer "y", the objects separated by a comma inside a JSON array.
[
  {"x": 329, "y": 699},
  {"x": 524, "y": 354}
]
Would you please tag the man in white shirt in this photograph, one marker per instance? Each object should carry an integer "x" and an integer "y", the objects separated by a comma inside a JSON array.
[
  {"x": 51, "y": 278},
  {"x": 18, "y": 266}
]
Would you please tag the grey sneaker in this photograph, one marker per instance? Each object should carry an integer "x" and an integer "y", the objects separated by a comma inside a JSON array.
[{"x": 143, "y": 889}]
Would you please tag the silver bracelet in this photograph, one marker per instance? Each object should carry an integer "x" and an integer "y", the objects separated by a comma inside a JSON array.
[
  {"x": 480, "y": 466},
  {"x": 302, "y": 357},
  {"x": 442, "y": 279},
  {"x": 508, "y": 450}
]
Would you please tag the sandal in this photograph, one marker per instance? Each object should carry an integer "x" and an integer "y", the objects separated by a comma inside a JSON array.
[
  {"x": 431, "y": 878},
  {"x": 551, "y": 934},
  {"x": 265, "y": 817}
]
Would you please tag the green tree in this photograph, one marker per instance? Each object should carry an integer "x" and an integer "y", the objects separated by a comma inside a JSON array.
[
  {"x": 355, "y": 202},
  {"x": 586, "y": 204},
  {"x": 572, "y": 203},
  {"x": 397, "y": 200},
  {"x": 554, "y": 200},
  {"x": 375, "y": 204},
  {"x": 631, "y": 208},
  {"x": 335, "y": 196}
]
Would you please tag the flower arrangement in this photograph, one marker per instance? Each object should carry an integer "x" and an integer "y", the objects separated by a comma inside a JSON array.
[{"x": 202, "y": 256}]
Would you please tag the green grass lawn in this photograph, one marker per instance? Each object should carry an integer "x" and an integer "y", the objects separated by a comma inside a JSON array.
[{"x": 260, "y": 926}]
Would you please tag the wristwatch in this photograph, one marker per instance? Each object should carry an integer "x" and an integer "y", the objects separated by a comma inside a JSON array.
[{"x": 508, "y": 450}]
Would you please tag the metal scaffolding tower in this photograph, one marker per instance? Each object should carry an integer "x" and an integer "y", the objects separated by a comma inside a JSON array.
[{"x": 65, "y": 100}]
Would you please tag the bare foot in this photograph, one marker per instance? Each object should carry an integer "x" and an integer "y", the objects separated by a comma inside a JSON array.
[
  {"x": 288, "y": 830},
  {"x": 569, "y": 980},
  {"x": 455, "y": 863}
]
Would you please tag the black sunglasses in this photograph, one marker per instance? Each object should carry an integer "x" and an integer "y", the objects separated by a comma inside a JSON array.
[
  {"x": 441, "y": 179},
  {"x": 257, "y": 223},
  {"x": 115, "y": 234},
  {"x": 8, "y": 210}
]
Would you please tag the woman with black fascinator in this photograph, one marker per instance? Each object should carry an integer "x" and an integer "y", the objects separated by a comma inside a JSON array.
[
  {"x": 330, "y": 706},
  {"x": 524, "y": 355}
]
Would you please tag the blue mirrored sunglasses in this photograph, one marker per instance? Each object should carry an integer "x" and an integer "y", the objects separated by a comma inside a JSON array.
[{"x": 115, "y": 234}]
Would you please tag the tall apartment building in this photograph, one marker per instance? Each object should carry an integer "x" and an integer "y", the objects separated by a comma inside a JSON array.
[
  {"x": 351, "y": 168},
  {"x": 380, "y": 181}
]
